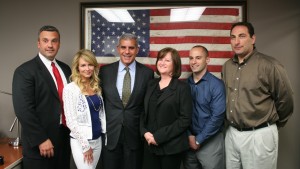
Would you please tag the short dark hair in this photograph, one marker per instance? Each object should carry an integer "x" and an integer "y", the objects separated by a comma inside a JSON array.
[
  {"x": 48, "y": 28},
  {"x": 246, "y": 24},
  {"x": 204, "y": 49},
  {"x": 175, "y": 59}
]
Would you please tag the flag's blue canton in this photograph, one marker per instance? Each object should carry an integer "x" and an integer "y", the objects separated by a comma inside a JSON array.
[{"x": 105, "y": 35}]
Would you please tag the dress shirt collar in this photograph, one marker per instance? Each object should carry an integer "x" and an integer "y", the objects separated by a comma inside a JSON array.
[
  {"x": 236, "y": 59},
  {"x": 131, "y": 66},
  {"x": 46, "y": 61},
  {"x": 204, "y": 77}
]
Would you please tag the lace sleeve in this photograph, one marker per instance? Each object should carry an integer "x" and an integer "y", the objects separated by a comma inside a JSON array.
[{"x": 72, "y": 105}]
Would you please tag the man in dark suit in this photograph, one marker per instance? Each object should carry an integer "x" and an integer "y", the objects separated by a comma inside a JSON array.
[
  {"x": 123, "y": 149},
  {"x": 38, "y": 105}
]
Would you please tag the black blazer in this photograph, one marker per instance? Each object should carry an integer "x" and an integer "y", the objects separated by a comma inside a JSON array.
[
  {"x": 36, "y": 104},
  {"x": 173, "y": 117},
  {"x": 116, "y": 114}
]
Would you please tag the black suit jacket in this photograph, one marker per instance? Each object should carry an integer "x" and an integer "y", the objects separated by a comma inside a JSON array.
[
  {"x": 118, "y": 116},
  {"x": 36, "y": 103},
  {"x": 173, "y": 117}
]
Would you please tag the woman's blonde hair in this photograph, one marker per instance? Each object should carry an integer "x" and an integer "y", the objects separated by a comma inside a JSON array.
[{"x": 89, "y": 57}]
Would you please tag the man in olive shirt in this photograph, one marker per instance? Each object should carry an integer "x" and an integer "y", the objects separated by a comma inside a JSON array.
[{"x": 259, "y": 99}]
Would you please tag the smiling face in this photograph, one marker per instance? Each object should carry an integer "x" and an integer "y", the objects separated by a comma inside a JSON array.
[
  {"x": 48, "y": 44},
  {"x": 127, "y": 50},
  {"x": 241, "y": 41},
  {"x": 85, "y": 69},
  {"x": 165, "y": 65},
  {"x": 198, "y": 60}
]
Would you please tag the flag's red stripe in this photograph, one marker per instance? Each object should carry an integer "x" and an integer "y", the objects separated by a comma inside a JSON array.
[
  {"x": 153, "y": 67},
  {"x": 101, "y": 64},
  {"x": 190, "y": 25},
  {"x": 189, "y": 39},
  {"x": 212, "y": 54},
  {"x": 220, "y": 54},
  {"x": 221, "y": 11},
  {"x": 160, "y": 12},
  {"x": 207, "y": 11},
  {"x": 214, "y": 68}
]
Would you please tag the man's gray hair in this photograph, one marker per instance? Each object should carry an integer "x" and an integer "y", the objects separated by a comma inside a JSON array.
[{"x": 129, "y": 36}]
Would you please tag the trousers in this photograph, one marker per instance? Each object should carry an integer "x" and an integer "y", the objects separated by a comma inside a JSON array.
[
  {"x": 77, "y": 153},
  {"x": 252, "y": 149},
  {"x": 211, "y": 154}
]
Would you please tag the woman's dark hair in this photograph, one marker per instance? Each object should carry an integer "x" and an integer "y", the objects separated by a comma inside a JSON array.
[{"x": 175, "y": 59}]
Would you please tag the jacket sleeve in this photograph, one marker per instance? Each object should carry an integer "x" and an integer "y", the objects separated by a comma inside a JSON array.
[
  {"x": 102, "y": 118},
  {"x": 24, "y": 101},
  {"x": 70, "y": 98},
  {"x": 143, "y": 129}
]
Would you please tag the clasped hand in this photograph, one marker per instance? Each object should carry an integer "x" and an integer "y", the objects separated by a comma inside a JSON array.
[
  {"x": 150, "y": 138},
  {"x": 46, "y": 149},
  {"x": 88, "y": 156},
  {"x": 192, "y": 143}
]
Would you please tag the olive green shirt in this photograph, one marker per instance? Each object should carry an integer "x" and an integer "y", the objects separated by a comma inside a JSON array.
[{"x": 257, "y": 91}]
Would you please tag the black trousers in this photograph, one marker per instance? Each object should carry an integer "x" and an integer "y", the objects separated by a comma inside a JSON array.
[
  {"x": 153, "y": 161},
  {"x": 122, "y": 157},
  {"x": 62, "y": 153}
]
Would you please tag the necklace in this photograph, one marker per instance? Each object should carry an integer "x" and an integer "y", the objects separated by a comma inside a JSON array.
[{"x": 93, "y": 103}]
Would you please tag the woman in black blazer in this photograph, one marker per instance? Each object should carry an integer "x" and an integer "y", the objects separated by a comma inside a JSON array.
[{"x": 168, "y": 108}]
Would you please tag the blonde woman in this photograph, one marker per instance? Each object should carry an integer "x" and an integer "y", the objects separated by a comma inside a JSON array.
[{"x": 84, "y": 110}]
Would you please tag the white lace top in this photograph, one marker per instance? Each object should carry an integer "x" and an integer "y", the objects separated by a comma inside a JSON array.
[{"x": 78, "y": 115}]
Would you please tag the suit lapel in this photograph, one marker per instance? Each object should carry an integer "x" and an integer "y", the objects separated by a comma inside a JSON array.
[
  {"x": 150, "y": 90},
  {"x": 113, "y": 80},
  {"x": 66, "y": 72},
  {"x": 170, "y": 91},
  {"x": 139, "y": 71},
  {"x": 138, "y": 77},
  {"x": 47, "y": 76}
]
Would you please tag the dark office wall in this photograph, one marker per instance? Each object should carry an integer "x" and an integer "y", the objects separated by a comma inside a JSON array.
[{"x": 276, "y": 24}]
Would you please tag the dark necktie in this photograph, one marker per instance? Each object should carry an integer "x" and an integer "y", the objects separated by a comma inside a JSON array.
[
  {"x": 60, "y": 86},
  {"x": 126, "y": 91}
]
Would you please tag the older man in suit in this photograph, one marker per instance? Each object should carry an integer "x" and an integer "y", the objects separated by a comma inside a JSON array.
[
  {"x": 37, "y": 87},
  {"x": 124, "y": 84}
]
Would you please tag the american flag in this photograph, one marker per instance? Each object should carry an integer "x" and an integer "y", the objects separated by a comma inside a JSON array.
[{"x": 155, "y": 31}]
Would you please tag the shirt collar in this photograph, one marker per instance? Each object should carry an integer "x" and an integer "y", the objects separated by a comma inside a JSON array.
[
  {"x": 236, "y": 60},
  {"x": 204, "y": 77},
  {"x": 131, "y": 66},
  {"x": 46, "y": 61}
]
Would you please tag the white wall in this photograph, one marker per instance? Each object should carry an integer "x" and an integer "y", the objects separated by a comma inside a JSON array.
[{"x": 276, "y": 22}]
